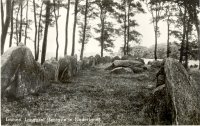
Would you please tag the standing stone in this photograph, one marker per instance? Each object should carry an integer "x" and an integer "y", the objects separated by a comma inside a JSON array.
[
  {"x": 20, "y": 73},
  {"x": 177, "y": 102},
  {"x": 67, "y": 68},
  {"x": 51, "y": 68}
]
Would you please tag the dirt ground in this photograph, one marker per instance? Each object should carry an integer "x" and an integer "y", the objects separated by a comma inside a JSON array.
[{"x": 94, "y": 97}]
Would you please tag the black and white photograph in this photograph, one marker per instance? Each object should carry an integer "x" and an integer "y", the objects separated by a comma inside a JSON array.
[{"x": 100, "y": 62}]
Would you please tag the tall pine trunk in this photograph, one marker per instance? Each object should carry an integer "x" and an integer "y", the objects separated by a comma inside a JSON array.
[
  {"x": 16, "y": 27},
  {"x": 2, "y": 15},
  {"x": 186, "y": 51},
  {"x": 168, "y": 48},
  {"x": 35, "y": 38},
  {"x": 199, "y": 43},
  {"x": 102, "y": 38},
  {"x": 21, "y": 20},
  {"x": 66, "y": 28},
  {"x": 44, "y": 46},
  {"x": 198, "y": 34},
  {"x": 26, "y": 23},
  {"x": 6, "y": 25},
  {"x": 125, "y": 30},
  {"x": 102, "y": 30},
  {"x": 84, "y": 30},
  {"x": 11, "y": 24},
  {"x": 128, "y": 31},
  {"x": 156, "y": 35},
  {"x": 56, "y": 19},
  {"x": 183, "y": 37},
  {"x": 187, "y": 44},
  {"x": 74, "y": 28},
  {"x": 39, "y": 27}
]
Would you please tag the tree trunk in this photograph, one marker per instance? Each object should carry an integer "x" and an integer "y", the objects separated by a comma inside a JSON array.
[
  {"x": 26, "y": 23},
  {"x": 74, "y": 28},
  {"x": 125, "y": 30},
  {"x": 183, "y": 38},
  {"x": 21, "y": 15},
  {"x": 128, "y": 31},
  {"x": 45, "y": 32},
  {"x": 11, "y": 30},
  {"x": 102, "y": 30},
  {"x": 6, "y": 25},
  {"x": 168, "y": 48},
  {"x": 66, "y": 28},
  {"x": 16, "y": 28},
  {"x": 198, "y": 34},
  {"x": 39, "y": 27},
  {"x": 199, "y": 44},
  {"x": 84, "y": 30},
  {"x": 2, "y": 15},
  {"x": 102, "y": 37},
  {"x": 56, "y": 19},
  {"x": 187, "y": 47},
  {"x": 35, "y": 39},
  {"x": 156, "y": 35}
]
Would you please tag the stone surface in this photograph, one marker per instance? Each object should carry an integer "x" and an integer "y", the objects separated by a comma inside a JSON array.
[
  {"x": 20, "y": 73},
  {"x": 67, "y": 68},
  {"x": 121, "y": 70},
  {"x": 183, "y": 92},
  {"x": 178, "y": 101},
  {"x": 127, "y": 63},
  {"x": 115, "y": 58},
  {"x": 155, "y": 64},
  {"x": 51, "y": 68},
  {"x": 137, "y": 69}
]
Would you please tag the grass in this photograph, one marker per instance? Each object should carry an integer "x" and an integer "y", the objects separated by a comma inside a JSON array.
[{"x": 94, "y": 97}]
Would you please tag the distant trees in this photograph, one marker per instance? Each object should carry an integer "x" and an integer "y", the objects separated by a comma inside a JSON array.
[
  {"x": 112, "y": 18},
  {"x": 155, "y": 8},
  {"x": 105, "y": 28},
  {"x": 188, "y": 17},
  {"x": 126, "y": 10},
  {"x": 169, "y": 9},
  {"x": 84, "y": 33}
]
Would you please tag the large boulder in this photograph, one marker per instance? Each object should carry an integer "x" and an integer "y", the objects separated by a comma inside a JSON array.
[
  {"x": 127, "y": 63},
  {"x": 67, "y": 68},
  {"x": 106, "y": 59},
  {"x": 155, "y": 63},
  {"x": 121, "y": 70},
  {"x": 115, "y": 58},
  {"x": 51, "y": 68},
  {"x": 138, "y": 69},
  {"x": 177, "y": 102},
  {"x": 128, "y": 57},
  {"x": 20, "y": 73},
  {"x": 88, "y": 62},
  {"x": 80, "y": 65},
  {"x": 98, "y": 59}
]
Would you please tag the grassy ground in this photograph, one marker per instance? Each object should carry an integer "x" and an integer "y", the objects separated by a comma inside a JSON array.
[{"x": 94, "y": 97}]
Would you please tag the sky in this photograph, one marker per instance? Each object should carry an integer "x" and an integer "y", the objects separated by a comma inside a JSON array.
[{"x": 92, "y": 47}]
